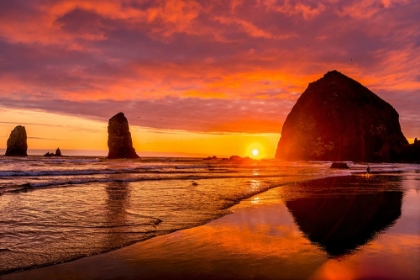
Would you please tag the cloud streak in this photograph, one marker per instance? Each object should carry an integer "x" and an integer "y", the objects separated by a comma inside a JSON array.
[{"x": 203, "y": 115}]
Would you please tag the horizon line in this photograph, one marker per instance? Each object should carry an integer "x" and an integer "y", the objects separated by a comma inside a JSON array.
[{"x": 104, "y": 153}]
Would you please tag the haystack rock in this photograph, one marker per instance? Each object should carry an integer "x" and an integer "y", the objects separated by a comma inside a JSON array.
[
  {"x": 338, "y": 119},
  {"x": 119, "y": 138},
  {"x": 16, "y": 144}
]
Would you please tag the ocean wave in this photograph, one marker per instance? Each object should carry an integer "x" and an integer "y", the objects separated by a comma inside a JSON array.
[
  {"x": 78, "y": 172},
  {"x": 71, "y": 160},
  {"x": 192, "y": 166},
  {"x": 68, "y": 182},
  {"x": 18, "y": 173}
]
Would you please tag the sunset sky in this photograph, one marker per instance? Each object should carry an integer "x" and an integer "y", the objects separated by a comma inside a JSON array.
[{"x": 194, "y": 77}]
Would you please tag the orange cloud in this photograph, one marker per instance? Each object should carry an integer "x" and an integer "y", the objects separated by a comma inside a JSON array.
[{"x": 250, "y": 29}]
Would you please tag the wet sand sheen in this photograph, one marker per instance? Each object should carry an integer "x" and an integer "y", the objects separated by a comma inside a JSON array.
[
  {"x": 41, "y": 226},
  {"x": 263, "y": 239}
]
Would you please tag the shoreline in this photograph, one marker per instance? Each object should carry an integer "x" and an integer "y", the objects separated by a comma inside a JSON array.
[
  {"x": 198, "y": 251},
  {"x": 235, "y": 203},
  {"x": 70, "y": 269}
]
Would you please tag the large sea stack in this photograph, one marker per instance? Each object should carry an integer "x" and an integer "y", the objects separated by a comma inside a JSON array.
[
  {"x": 119, "y": 138},
  {"x": 16, "y": 144},
  {"x": 337, "y": 118}
]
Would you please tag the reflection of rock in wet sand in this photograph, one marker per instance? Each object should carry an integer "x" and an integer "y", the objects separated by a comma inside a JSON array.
[
  {"x": 341, "y": 221},
  {"x": 116, "y": 216}
]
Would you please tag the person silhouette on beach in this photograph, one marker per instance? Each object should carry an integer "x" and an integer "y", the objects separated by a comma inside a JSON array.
[{"x": 368, "y": 169}]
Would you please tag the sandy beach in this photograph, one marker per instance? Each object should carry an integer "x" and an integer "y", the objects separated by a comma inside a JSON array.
[{"x": 265, "y": 238}]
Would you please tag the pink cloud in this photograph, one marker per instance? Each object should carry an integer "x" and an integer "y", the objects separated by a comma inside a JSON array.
[
  {"x": 366, "y": 9},
  {"x": 306, "y": 10}
]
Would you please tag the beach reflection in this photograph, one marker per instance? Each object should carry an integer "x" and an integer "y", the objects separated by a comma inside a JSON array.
[
  {"x": 341, "y": 214},
  {"x": 125, "y": 219},
  {"x": 117, "y": 202}
]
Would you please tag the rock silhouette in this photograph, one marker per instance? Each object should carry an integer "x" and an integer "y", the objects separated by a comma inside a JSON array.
[
  {"x": 16, "y": 144},
  {"x": 342, "y": 222},
  {"x": 240, "y": 159},
  {"x": 57, "y": 153},
  {"x": 411, "y": 152},
  {"x": 210, "y": 158},
  {"x": 119, "y": 138},
  {"x": 338, "y": 119}
]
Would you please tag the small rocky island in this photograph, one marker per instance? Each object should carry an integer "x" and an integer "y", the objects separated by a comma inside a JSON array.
[
  {"x": 338, "y": 119},
  {"x": 16, "y": 144},
  {"x": 240, "y": 159},
  {"x": 56, "y": 154},
  {"x": 120, "y": 143}
]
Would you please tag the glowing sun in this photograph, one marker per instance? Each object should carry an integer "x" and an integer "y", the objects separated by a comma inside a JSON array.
[{"x": 255, "y": 152}]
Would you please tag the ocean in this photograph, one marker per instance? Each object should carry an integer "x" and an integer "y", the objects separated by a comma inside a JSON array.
[{"x": 59, "y": 209}]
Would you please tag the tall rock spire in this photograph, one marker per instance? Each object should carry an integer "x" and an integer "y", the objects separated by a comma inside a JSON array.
[
  {"x": 119, "y": 138},
  {"x": 16, "y": 144}
]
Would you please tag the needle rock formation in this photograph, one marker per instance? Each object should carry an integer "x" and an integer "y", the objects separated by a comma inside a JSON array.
[
  {"x": 119, "y": 138},
  {"x": 338, "y": 119},
  {"x": 16, "y": 144}
]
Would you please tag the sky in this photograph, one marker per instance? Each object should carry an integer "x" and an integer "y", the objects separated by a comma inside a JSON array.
[{"x": 194, "y": 77}]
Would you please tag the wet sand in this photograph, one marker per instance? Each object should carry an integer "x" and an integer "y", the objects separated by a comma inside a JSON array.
[{"x": 270, "y": 236}]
